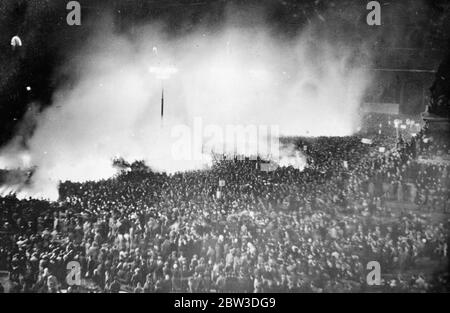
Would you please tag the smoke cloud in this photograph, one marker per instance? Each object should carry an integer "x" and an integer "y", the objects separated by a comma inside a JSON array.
[{"x": 234, "y": 76}]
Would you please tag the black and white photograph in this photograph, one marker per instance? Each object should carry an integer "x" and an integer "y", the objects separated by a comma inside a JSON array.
[{"x": 224, "y": 151}]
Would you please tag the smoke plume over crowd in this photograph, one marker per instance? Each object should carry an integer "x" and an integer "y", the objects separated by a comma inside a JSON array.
[{"x": 233, "y": 76}]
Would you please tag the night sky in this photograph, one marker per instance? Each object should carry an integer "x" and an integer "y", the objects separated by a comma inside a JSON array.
[{"x": 48, "y": 41}]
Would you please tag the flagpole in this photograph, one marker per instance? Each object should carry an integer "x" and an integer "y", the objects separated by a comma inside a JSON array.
[
  {"x": 162, "y": 73},
  {"x": 162, "y": 103}
]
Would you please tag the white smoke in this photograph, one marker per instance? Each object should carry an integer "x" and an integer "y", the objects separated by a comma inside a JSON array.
[{"x": 234, "y": 76}]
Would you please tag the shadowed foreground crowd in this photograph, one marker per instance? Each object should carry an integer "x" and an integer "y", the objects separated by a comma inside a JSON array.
[{"x": 263, "y": 231}]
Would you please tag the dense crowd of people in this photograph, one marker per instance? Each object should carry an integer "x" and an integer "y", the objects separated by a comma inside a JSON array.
[{"x": 236, "y": 228}]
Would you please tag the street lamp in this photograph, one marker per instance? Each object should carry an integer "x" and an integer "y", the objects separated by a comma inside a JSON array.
[{"x": 162, "y": 73}]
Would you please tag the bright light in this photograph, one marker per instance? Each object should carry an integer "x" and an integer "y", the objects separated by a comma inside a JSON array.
[
  {"x": 26, "y": 160},
  {"x": 16, "y": 41},
  {"x": 162, "y": 72}
]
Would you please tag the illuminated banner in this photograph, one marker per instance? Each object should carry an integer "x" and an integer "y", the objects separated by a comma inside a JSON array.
[
  {"x": 433, "y": 161},
  {"x": 381, "y": 107}
]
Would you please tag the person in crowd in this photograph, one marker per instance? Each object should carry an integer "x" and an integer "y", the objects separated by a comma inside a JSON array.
[{"x": 285, "y": 230}]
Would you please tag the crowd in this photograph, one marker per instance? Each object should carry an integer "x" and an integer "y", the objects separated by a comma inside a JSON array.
[{"x": 284, "y": 230}]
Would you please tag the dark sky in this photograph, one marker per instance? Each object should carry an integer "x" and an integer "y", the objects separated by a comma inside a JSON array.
[{"x": 48, "y": 41}]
